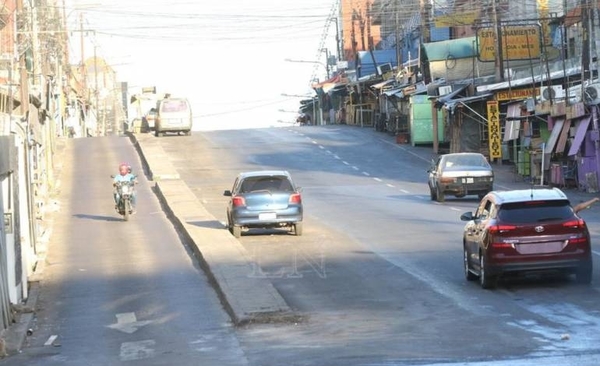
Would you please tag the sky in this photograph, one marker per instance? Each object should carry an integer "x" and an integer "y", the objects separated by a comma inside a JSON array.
[{"x": 233, "y": 59}]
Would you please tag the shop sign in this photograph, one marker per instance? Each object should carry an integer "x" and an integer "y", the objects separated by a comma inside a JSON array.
[
  {"x": 516, "y": 94},
  {"x": 494, "y": 138},
  {"x": 518, "y": 43}
]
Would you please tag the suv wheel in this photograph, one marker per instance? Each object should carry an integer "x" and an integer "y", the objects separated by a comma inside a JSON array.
[
  {"x": 584, "y": 274},
  {"x": 486, "y": 281},
  {"x": 470, "y": 276}
]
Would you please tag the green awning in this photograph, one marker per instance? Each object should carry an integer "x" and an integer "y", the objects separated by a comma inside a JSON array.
[{"x": 452, "y": 49}]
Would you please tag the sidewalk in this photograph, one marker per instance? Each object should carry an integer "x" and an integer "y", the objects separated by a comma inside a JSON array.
[{"x": 505, "y": 175}]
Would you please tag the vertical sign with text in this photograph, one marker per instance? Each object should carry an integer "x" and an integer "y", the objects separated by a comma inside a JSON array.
[{"x": 494, "y": 138}]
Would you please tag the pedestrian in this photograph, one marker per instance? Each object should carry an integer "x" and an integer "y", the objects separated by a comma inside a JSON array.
[{"x": 585, "y": 205}]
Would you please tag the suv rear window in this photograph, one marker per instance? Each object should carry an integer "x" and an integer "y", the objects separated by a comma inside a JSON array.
[
  {"x": 277, "y": 183},
  {"x": 535, "y": 211}
]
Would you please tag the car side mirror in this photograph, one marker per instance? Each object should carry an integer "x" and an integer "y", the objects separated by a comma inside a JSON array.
[
  {"x": 299, "y": 189},
  {"x": 227, "y": 193},
  {"x": 467, "y": 216}
]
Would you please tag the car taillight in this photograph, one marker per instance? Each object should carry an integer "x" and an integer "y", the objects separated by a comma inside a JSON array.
[
  {"x": 495, "y": 229},
  {"x": 238, "y": 201},
  {"x": 575, "y": 224},
  {"x": 503, "y": 245},
  {"x": 447, "y": 180},
  {"x": 295, "y": 198},
  {"x": 577, "y": 241}
]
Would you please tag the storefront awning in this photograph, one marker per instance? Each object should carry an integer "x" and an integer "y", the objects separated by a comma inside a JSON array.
[
  {"x": 453, "y": 103},
  {"x": 581, "y": 129},
  {"x": 382, "y": 84}
]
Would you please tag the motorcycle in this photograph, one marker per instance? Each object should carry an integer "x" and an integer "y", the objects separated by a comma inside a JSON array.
[{"x": 125, "y": 191}]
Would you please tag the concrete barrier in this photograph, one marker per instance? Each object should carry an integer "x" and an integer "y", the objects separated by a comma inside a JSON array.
[{"x": 246, "y": 296}]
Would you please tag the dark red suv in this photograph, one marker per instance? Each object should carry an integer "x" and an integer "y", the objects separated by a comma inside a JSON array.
[{"x": 531, "y": 230}]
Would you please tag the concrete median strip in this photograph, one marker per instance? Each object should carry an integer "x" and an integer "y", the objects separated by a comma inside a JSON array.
[{"x": 228, "y": 265}]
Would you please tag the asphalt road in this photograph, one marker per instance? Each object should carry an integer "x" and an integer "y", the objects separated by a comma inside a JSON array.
[
  {"x": 378, "y": 273},
  {"x": 121, "y": 293}
]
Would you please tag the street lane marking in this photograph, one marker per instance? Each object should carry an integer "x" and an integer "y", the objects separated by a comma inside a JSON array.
[
  {"x": 50, "y": 340},
  {"x": 390, "y": 185},
  {"x": 365, "y": 173},
  {"x": 404, "y": 191},
  {"x": 455, "y": 209},
  {"x": 337, "y": 157},
  {"x": 355, "y": 168},
  {"x": 321, "y": 147},
  {"x": 406, "y": 150},
  {"x": 345, "y": 162},
  {"x": 329, "y": 152},
  {"x": 377, "y": 179},
  {"x": 128, "y": 323},
  {"x": 314, "y": 142},
  {"x": 131, "y": 351},
  {"x": 595, "y": 252}
]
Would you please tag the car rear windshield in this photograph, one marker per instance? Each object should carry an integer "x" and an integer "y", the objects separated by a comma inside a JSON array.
[
  {"x": 466, "y": 160},
  {"x": 271, "y": 184},
  {"x": 535, "y": 211},
  {"x": 170, "y": 106}
]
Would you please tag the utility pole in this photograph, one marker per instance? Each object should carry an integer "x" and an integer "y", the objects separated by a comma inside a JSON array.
[
  {"x": 425, "y": 8},
  {"x": 397, "y": 30},
  {"x": 101, "y": 128},
  {"x": 23, "y": 77},
  {"x": 499, "y": 59},
  {"x": 83, "y": 73}
]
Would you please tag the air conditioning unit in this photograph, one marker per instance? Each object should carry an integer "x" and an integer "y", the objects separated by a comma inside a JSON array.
[
  {"x": 551, "y": 92},
  {"x": 591, "y": 94},
  {"x": 443, "y": 90},
  {"x": 384, "y": 68}
]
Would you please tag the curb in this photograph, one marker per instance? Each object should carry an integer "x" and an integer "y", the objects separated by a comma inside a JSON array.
[{"x": 226, "y": 263}]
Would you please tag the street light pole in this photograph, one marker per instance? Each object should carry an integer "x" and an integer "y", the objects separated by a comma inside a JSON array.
[{"x": 309, "y": 62}]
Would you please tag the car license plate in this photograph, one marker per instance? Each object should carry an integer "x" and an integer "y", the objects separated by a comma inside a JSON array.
[
  {"x": 468, "y": 180},
  {"x": 267, "y": 216}
]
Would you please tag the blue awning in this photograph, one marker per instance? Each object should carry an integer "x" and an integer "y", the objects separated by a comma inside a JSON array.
[{"x": 366, "y": 65}]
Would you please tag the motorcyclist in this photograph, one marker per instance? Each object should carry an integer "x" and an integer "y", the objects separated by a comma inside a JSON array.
[{"x": 124, "y": 176}]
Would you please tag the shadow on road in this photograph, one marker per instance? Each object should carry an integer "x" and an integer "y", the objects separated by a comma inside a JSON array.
[
  {"x": 97, "y": 217},
  {"x": 209, "y": 224}
]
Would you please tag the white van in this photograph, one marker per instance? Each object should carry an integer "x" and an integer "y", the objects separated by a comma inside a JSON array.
[{"x": 173, "y": 115}]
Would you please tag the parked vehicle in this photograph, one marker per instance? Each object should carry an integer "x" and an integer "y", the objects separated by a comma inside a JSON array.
[
  {"x": 125, "y": 192},
  {"x": 173, "y": 115},
  {"x": 460, "y": 174},
  {"x": 523, "y": 231},
  {"x": 264, "y": 199}
]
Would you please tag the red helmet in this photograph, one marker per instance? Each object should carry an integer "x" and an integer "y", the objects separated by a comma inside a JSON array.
[{"x": 124, "y": 168}]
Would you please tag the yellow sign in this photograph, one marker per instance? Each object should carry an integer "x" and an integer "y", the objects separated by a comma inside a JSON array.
[
  {"x": 456, "y": 19},
  {"x": 518, "y": 43},
  {"x": 517, "y": 94},
  {"x": 494, "y": 138},
  {"x": 545, "y": 20}
]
